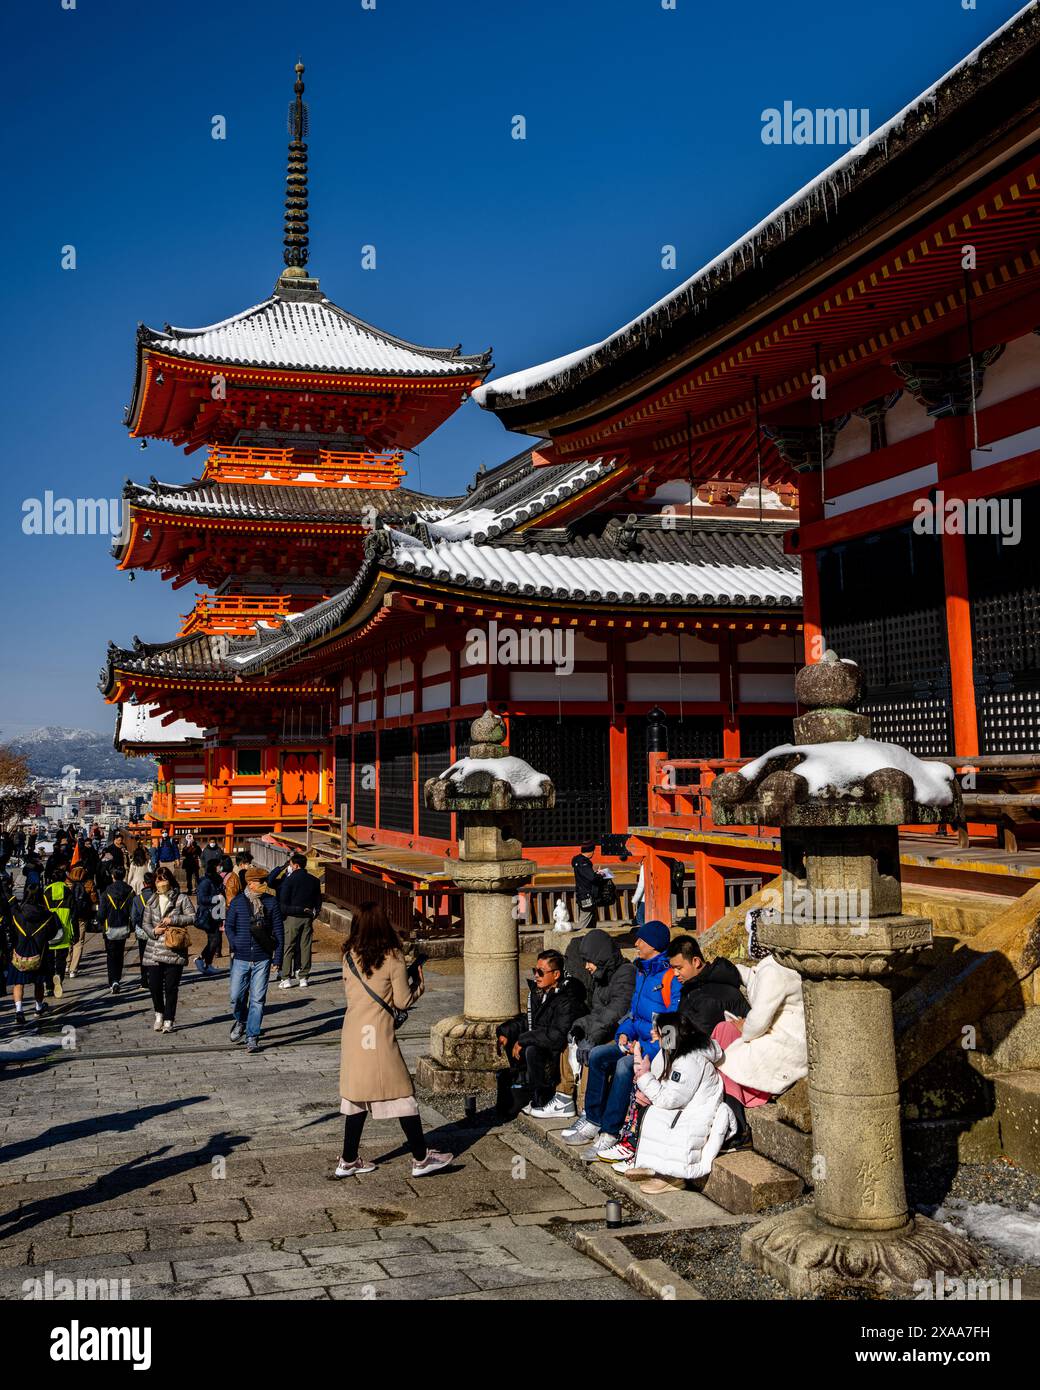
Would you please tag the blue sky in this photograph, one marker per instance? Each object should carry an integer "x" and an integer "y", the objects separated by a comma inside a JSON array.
[{"x": 643, "y": 129}]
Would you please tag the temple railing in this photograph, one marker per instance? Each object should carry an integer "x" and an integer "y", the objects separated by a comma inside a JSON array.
[
  {"x": 240, "y": 463},
  {"x": 679, "y": 791}
]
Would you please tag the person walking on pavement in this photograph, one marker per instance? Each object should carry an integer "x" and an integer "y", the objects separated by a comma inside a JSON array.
[
  {"x": 167, "y": 855},
  {"x": 114, "y": 920},
  {"x": 253, "y": 927},
  {"x": 84, "y": 909},
  {"x": 212, "y": 854},
  {"x": 190, "y": 857},
  {"x": 137, "y": 907},
  {"x": 139, "y": 865},
  {"x": 209, "y": 916},
  {"x": 31, "y": 927},
  {"x": 58, "y": 897},
  {"x": 299, "y": 897},
  {"x": 165, "y": 922},
  {"x": 373, "y": 1075}
]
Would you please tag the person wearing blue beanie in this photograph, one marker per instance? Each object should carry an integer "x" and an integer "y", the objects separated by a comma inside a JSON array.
[{"x": 655, "y": 934}]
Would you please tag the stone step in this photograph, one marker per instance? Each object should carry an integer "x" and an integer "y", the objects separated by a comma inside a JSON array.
[
  {"x": 1018, "y": 1115},
  {"x": 943, "y": 1144},
  {"x": 1007, "y": 1042},
  {"x": 746, "y": 1182},
  {"x": 781, "y": 1143}
]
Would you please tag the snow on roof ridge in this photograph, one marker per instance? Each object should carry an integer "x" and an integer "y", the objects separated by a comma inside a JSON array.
[
  {"x": 590, "y": 577},
  {"x": 221, "y": 323},
  {"x": 529, "y": 377}
]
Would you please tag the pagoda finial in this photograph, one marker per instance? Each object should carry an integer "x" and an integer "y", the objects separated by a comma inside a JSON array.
[{"x": 295, "y": 254}]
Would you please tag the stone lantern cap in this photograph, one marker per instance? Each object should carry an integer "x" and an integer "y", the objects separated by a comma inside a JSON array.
[
  {"x": 835, "y": 774},
  {"x": 490, "y": 779}
]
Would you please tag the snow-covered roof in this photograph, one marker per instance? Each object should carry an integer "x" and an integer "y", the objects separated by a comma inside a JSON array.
[
  {"x": 533, "y": 493},
  {"x": 142, "y": 725},
  {"x": 285, "y": 502},
  {"x": 507, "y": 570},
  {"x": 309, "y": 335},
  {"x": 819, "y": 197}
]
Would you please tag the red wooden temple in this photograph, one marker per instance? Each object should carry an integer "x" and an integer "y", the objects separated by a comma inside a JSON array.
[{"x": 873, "y": 343}]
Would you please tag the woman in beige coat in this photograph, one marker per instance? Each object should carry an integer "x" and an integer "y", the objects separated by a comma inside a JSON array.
[{"x": 373, "y": 1075}]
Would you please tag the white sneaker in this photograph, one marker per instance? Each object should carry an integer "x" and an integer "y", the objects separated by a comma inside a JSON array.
[
  {"x": 157, "y": 1025},
  {"x": 554, "y": 1109},
  {"x": 599, "y": 1145},
  {"x": 580, "y": 1133},
  {"x": 432, "y": 1163},
  {"x": 617, "y": 1153},
  {"x": 302, "y": 981},
  {"x": 351, "y": 1170},
  {"x": 167, "y": 1026},
  {"x": 285, "y": 984}
]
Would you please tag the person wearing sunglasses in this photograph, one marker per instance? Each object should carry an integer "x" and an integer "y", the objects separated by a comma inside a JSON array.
[{"x": 555, "y": 1001}]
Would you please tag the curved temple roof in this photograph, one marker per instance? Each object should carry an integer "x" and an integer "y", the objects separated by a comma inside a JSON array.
[
  {"x": 309, "y": 335},
  {"x": 819, "y": 200}
]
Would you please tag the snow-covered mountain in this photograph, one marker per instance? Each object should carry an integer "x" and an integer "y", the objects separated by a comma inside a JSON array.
[{"x": 50, "y": 748}]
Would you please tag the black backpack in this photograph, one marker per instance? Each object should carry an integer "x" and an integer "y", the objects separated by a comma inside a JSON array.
[
  {"x": 117, "y": 911},
  {"x": 606, "y": 891}
]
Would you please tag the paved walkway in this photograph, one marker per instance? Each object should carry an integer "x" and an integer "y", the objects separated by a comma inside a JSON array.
[{"x": 191, "y": 1170}]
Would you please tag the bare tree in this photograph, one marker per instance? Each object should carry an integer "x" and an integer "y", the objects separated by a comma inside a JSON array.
[{"x": 17, "y": 793}]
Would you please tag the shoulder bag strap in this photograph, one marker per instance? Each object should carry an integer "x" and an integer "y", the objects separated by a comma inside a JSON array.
[{"x": 368, "y": 990}]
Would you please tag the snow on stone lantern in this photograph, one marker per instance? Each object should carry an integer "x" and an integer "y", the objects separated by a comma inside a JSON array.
[
  {"x": 489, "y": 789},
  {"x": 839, "y": 799}
]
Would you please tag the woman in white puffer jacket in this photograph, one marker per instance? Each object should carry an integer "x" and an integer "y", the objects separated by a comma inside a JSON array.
[
  {"x": 688, "y": 1120},
  {"x": 771, "y": 1053}
]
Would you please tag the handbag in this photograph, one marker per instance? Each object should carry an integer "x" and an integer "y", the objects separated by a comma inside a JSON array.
[{"x": 399, "y": 1016}]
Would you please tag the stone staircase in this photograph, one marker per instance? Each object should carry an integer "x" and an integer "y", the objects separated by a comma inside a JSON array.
[{"x": 967, "y": 1025}]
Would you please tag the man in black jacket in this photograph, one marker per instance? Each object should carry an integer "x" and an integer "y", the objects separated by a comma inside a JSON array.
[
  {"x": 710, "y": 990},
  {"x": 586, "y": 886},
  {"x": 299, "y": 897},
  {"x": 554, "y": 1002}
]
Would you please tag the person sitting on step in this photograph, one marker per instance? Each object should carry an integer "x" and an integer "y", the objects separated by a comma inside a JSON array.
[
  {"x": 688, "y": 1120},
  {"x": 554, "y": 1002}
]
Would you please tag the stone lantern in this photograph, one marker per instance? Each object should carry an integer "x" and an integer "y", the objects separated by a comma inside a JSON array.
[
  {"x": 839, "y": 799},
  {"x": 488, "y": 790}
]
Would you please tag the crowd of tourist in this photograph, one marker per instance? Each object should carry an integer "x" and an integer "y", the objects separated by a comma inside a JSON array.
[
  {"x": 152, "y": 894},
  {"x": 665, "y": 1053},
  {"x": 668, "y": 1051}
]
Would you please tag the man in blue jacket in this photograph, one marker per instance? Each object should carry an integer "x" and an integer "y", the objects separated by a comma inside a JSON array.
[
  {"x": 609, "y": 1089},
  {"x": 253, "y": 927}
]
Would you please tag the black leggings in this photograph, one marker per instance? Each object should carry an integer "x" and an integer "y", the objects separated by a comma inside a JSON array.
[
  {"x": 354, "y": 1124},
  {"x": 212, "y": 947},
  {"x": 163, "y": 983}
]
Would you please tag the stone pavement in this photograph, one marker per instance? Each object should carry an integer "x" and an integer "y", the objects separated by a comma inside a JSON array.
[{"x": 191, "y": 1170}]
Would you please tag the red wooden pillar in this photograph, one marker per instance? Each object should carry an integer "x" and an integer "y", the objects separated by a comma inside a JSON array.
[
  {"x": 953, "y": 455},
  {"x": 729, "y": 694},
  {"x": 617, "y": 746},
  {"x": 711, "y": 891},
  {"x": 657, "y": 883},
  {"x": 810, "y": 509}
]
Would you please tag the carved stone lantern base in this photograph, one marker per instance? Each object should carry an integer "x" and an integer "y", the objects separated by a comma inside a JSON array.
[
  {"x": 812, "y": 1259},
  {"x": 463, "y": 1057}
]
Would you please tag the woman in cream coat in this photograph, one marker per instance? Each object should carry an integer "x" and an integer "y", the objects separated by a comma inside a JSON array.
[
  {"x": 770, "y": 1054},
  {"x": 373, "y": 1075}
]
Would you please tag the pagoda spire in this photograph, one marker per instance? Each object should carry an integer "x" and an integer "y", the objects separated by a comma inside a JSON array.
[{"x": 295, "y": 276}]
